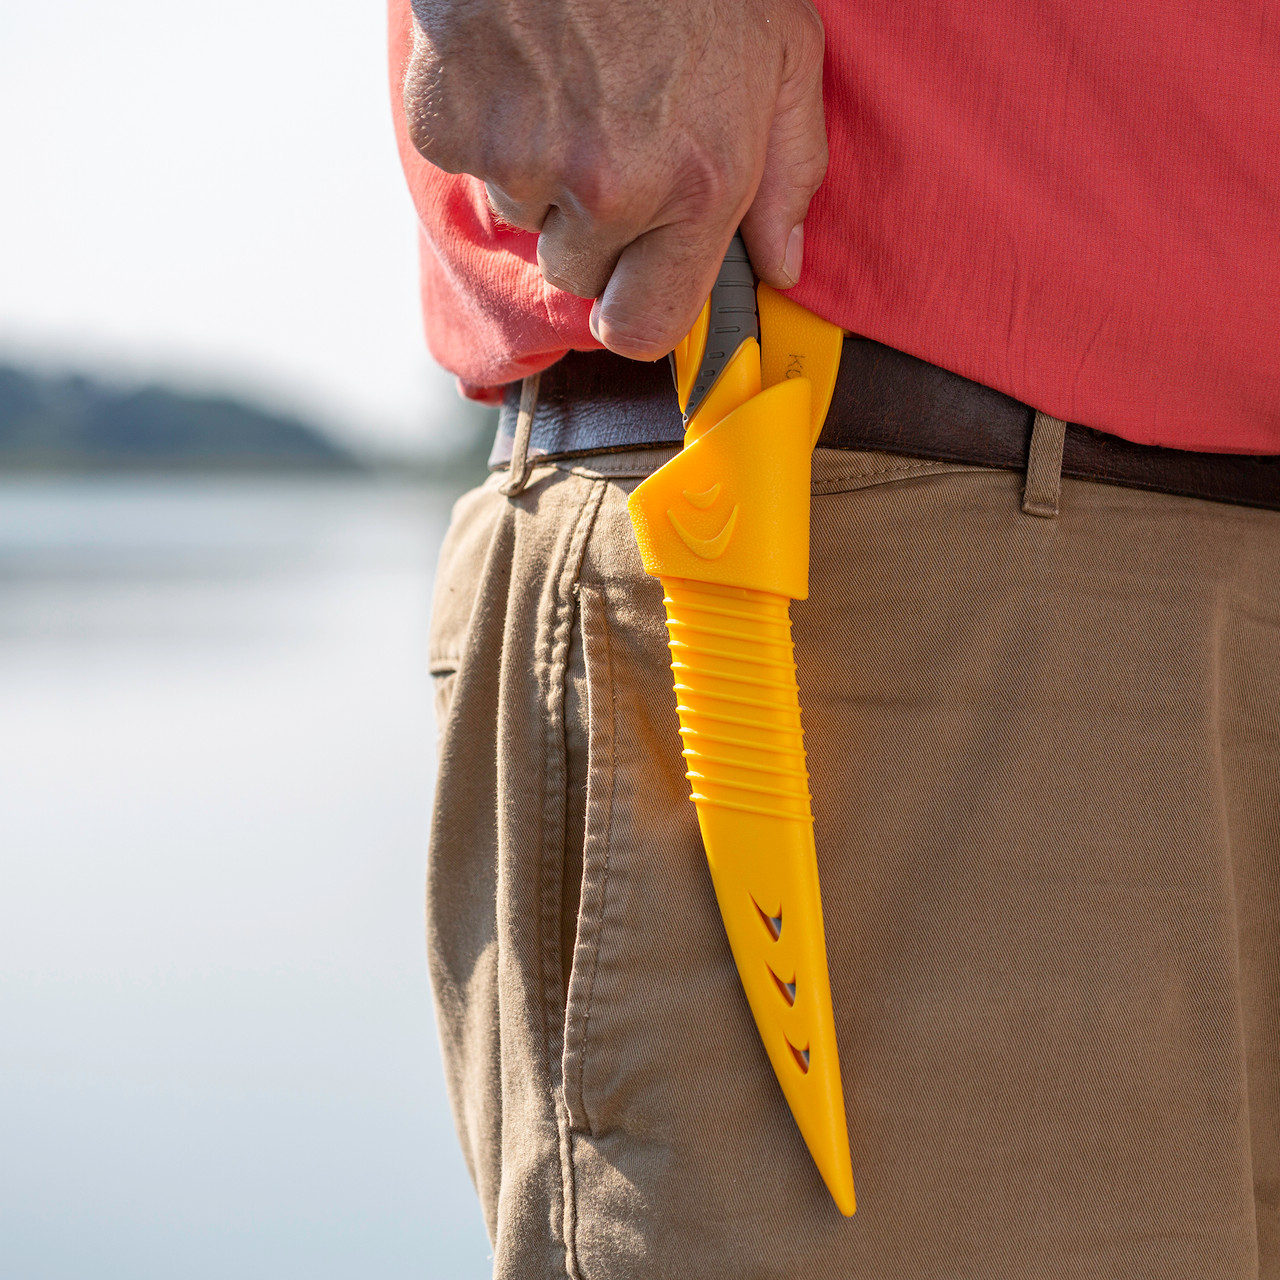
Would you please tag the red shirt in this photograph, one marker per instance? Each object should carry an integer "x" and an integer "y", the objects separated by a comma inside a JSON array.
[{"x": 1077, "y": 203}]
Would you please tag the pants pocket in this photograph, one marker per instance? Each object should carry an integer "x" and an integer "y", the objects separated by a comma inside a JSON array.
[{"x": 589, "y": 744}]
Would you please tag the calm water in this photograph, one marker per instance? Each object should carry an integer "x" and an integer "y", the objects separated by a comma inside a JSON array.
[{"x": 217, "y": 1054}]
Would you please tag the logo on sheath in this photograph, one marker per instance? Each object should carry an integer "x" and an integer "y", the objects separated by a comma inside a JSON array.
[{"x": 714, "y": 547}]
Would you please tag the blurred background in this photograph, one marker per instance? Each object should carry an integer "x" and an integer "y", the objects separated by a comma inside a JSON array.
[{"x": 226, "y": 464}]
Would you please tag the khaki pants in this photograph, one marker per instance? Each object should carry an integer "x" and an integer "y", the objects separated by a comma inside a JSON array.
[{"x": 1045, "y": 759}]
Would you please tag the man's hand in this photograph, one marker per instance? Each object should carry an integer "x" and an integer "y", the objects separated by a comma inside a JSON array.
[{"x": 634, "y": 136}]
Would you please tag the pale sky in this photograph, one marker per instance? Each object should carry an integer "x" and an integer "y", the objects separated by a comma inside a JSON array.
[{"x": 211, "y": 195}]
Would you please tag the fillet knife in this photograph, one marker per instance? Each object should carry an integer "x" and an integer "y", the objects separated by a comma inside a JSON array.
[{"x": 725, "y": 526}]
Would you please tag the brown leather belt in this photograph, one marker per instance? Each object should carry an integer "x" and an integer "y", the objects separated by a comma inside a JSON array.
[{"x": 596, "y": 402}]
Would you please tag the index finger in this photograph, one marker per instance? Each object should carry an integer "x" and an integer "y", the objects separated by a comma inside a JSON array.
[{"x": 657, "y": 288}]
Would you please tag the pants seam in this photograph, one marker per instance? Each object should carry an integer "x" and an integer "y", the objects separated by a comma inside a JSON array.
[
  {"x": 919, "y": 470},
  {"x": 552, "y": 862},
  {"x": 599, "y": 835}
]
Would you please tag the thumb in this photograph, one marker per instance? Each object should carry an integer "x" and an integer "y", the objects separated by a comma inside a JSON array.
[{"x": 795, "y": 158}]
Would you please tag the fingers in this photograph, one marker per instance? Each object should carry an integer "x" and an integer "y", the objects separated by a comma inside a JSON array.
[
  {"x": 575, "y": 253},
  {"x": 650, "y": 289},
  {"x": 795, "y": 160},
  {"x": 657, "y": 289},
  {"x": 580, "y": 235},
  {"x": 578, "y": 255}
]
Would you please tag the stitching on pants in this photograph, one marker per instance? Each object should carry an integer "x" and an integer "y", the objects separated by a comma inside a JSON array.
[
  {"x": 1220, "y": 795},
  {"x": 916, "y": 471},
  {"x": 551, "y": 653},
  {"x": 596, "y": 852},
  {"x": 552, "y": 860},
  {"x": 628, "y": 469},
  {"x": 597, "y": 849}
]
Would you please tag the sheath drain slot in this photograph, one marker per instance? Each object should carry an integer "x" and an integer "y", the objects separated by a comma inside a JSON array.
[
  {"x": 772, "y": 923},
  {"x": 788, "y": 989}
]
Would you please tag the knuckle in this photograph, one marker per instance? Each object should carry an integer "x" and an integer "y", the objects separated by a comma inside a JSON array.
[
  {"x": 433, "y": 146},
  {"x": 804, "y": 41},
  {"x": 601, "y": 193},
  {"x": 582, "y": 274},
  {"x": 516, "y": 182},
  {"x": 708, "y": 185},
  {"x": 513, "y": 156},
  {"x": 808, "y": 173},
  {"x": 568, "y": 283},
  {"x": 523, "y": 216},
  {"x": 810, "y": 35},
  {"x": 426, "y": 120},
  {"x": 461, "y": 130}
]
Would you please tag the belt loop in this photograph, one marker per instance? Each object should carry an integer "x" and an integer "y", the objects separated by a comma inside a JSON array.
[
  {"x": 518, "y": 476},
  {"x": 1044, "y": 466}
]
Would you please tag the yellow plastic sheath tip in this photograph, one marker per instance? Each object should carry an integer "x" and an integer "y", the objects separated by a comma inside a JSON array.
[{"x": 725, "y": 525}]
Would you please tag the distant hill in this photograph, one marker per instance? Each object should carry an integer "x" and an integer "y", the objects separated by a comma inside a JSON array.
[{"x": 77, "y": 423}]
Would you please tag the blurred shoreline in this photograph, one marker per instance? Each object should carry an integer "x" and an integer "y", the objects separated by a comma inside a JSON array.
[{"x": 72, "y": 424}]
